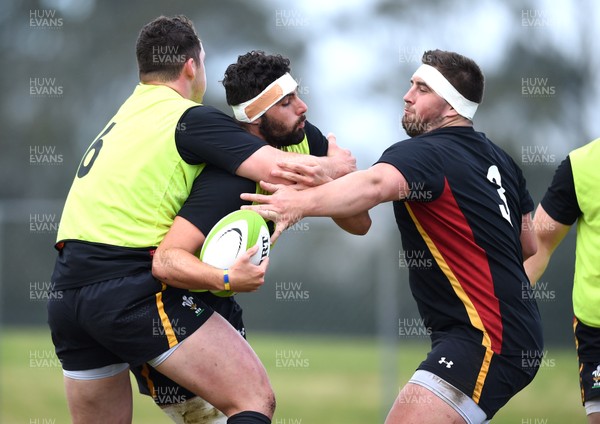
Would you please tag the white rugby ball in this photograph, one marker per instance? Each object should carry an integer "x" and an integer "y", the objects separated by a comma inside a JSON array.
[{"x": 231, "y": 237}]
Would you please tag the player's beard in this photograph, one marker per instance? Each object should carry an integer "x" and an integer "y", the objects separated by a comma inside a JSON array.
[
  {"x": 414, "y": 125},
  {"x": 278, "y": 135}
]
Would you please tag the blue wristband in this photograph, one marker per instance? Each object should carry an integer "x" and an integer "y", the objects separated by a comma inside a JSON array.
[{"x": 226, "y": 279}]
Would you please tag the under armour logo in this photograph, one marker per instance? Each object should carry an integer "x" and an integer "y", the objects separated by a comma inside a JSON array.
[{"x": 443, "y": 361}]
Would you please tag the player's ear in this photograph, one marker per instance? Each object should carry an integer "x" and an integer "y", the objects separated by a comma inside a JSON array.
[
  {"x": 450, "y": 111},
  {"x": 190, "y": 68},
  {"x": 256, "y": 122}
]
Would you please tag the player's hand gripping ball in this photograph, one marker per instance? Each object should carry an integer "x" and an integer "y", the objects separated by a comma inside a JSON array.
[{"x": 231, "y": 237}]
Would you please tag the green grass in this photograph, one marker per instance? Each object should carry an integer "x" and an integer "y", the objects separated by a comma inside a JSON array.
[{"x": 317, "y": 380}]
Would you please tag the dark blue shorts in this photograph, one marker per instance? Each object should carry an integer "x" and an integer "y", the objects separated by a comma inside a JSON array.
[
  {"x": 131, "y": 319},
  {"x": 165, "y": 391},
  {"x": 587, "y": 340},
  {"x": 491, "y": 380}
]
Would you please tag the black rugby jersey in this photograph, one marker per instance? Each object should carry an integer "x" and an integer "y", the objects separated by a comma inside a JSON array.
[{"x": 462, "y": 219}]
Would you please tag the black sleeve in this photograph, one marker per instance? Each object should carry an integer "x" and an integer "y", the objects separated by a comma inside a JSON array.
[
  {"x": 525, "y": 199},
  {"x": 421, "y": 166},
  {"x": 317, "y": 143},
  {"x": 206, "y": 135},
  {"x": 215, "y": 193},
  {"x": 560, "y": 200}
]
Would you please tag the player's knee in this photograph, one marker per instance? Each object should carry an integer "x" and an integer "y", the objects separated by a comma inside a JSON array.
[
  {"x": 264, "y": 400},
  {"x": 271, "y": 403}
]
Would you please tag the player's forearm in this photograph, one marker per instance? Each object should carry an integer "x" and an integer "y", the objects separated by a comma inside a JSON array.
[
  {"x": 336, "y": 166},
  {"x": 179, "y": 268},
  {"x": 260, "y": 165},
  {"x": 349, "y": 196},
  {"x": 536, "y": 265},
  {"x": 548, "y": 233}
]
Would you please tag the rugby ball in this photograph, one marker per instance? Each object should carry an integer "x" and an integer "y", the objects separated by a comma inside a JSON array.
[{"x": 231, "y": 237}]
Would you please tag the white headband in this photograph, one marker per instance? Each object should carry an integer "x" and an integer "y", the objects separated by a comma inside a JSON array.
[
  {"x": 438, "y": 83},
  {"x": 254, "y": 108}
]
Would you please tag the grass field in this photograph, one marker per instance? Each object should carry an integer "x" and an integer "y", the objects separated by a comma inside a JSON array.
[{"x": 317, "y": 380}]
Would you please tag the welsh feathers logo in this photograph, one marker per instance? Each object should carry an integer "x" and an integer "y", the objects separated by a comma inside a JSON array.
[
  {"x": 189, "y": 302},
  {"x": 596, "y": 378}
]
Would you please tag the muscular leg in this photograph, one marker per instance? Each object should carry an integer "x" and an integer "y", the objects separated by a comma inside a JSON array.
[
  {"x": 106, "y": 400},
  {"x": 594, "y": 418},
  {"x": 417, "y": 405},
  {"x": 216, "y": 363}
]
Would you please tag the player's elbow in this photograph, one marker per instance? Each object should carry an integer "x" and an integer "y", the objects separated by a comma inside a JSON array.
[
  {"x": 529, "y": 247},
  {"x": 362, "y": 226},
  {"x": 160, "y": 270},
  {"x": 357, "y": 225}
]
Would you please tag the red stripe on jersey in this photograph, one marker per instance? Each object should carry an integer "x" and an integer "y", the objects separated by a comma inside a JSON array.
[{"x": 448, "y": 235}]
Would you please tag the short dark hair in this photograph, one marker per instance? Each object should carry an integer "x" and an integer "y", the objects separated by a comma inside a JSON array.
[
  {"x": 251, "y": 74},
  {"x": 463, "y": 73},
  {"x": 164, "y": 45}
]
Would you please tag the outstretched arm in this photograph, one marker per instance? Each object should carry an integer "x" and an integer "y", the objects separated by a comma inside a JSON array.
[
  {"x": 347, "y": 196},
  {"x": 549, "y": 233},
  {"x": 298, "y": 174}
]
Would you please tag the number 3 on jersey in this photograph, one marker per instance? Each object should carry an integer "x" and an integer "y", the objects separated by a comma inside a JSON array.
[
  {"x": 86, "y": 164},
  {"x": 493, "y": 175}
]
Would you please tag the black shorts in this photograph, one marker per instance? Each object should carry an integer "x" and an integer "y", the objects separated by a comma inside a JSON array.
[
  {"x": 587, "y": 341},
  {"x": 130, "y": 320},
  {"x": 487, "y": 378},
  {"x": 165, "y": 391}
]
